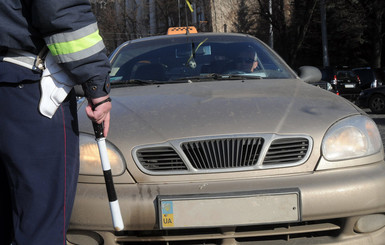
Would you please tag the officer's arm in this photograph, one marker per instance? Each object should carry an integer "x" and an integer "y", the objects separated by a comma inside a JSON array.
[
  {"x": 71, "y": 33},
  {"x": 72, "y": 36}
]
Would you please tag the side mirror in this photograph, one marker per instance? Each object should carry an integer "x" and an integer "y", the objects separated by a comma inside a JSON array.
[{"x": 310, "y": 74}]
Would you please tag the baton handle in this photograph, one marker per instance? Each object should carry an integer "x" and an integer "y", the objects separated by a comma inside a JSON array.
[
  {"x": 117, "y": 218},
  {"x": 98, "y": 129}
]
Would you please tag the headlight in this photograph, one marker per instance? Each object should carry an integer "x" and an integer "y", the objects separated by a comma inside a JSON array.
[
  {"x": 352, "y": 137},
  {"x": 90, "y": 163}
]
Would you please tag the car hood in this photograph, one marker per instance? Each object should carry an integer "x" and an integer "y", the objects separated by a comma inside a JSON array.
[
  {"x": 154, "y": 114},
  {"x": 157, "y": 113}
]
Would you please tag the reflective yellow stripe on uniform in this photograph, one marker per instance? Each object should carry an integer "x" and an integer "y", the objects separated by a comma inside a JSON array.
[{"x": 76, "y": 45}]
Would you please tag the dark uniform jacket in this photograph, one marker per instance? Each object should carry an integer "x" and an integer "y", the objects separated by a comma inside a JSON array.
[{"x": 68, "y": 28}]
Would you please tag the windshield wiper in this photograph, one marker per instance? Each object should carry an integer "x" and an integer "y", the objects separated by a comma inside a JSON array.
[
  {"x": 216, "y": 76},
  {"x": 135, "y": 82},
  {"x": 243, "y": 76},
  {"x": 141, "y": 82}
]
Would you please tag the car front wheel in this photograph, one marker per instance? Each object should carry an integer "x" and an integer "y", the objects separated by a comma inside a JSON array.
[{"x": 377, "y": 104}]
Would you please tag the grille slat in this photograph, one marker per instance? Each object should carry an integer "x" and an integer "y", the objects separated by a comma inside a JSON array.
[
  {"x": 212, "y": 147},
  {"x": 294, "y": 146},
  {"x": 287, "y": 153},
  {"x": 206, "y": 153},
  {"x": 226, "y": 153},
  {"x": 293, "y": 156}
]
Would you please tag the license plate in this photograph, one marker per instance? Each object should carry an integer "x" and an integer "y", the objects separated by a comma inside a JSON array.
[
  {"x": 226, "y": 210},
  {"x": 350, "y": 85}
]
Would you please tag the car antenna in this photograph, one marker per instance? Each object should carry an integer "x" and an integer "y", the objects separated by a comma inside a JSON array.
[{"x": 185, "y": 11}]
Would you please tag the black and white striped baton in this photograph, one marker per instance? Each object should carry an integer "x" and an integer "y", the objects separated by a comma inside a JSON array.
[{"x": 117, "y": 219}]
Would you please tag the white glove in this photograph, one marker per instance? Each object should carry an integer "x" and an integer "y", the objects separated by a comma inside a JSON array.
[{"x": 55, "y": 85}]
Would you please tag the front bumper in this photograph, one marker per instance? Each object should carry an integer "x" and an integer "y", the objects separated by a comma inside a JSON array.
[{"x": 340, "y": 194}]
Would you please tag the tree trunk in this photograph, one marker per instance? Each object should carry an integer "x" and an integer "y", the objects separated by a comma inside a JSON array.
[{"x": 377, "y": 36}]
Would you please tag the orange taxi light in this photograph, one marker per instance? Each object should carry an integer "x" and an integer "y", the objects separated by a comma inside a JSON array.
[{"x": 181, "y": 30}]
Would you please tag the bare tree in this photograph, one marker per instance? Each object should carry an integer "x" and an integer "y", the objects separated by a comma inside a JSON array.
[
  {"x": 168, "y": 13},
  {"x": 106, "y": 16},
  {"x": 290, "y": 21},
  {"x": 374, "y": 11},
  {"x": 300, "y": 30},
  {"x": 244, "y": 22},
  {"x": 120, "y": 21}
]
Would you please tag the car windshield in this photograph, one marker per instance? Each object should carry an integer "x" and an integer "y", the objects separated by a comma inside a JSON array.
[
  {"x": 346, "y": 75},
  {"x": 194, "y": 58}
]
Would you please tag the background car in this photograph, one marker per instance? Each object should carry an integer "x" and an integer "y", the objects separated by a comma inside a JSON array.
[
  {"x": 373, "y": 98},
  {"x": 346, "y": 83},
  {"x": 343, "y": 80},
  {"x": 370, "y": 77},
  {"x": 205, "y": 151}
]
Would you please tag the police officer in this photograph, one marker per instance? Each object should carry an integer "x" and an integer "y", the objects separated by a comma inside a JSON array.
[{"x": 39, "y": 154}]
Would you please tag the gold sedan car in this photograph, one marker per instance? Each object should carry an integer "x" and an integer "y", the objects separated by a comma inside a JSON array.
[{"x": 215, "y": 140}]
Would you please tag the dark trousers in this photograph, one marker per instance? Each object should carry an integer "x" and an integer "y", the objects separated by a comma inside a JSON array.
[{"x": 39, "y": 163}]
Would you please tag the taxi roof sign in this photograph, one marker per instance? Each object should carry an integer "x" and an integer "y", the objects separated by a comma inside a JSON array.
[{"x": 181, "y": 30}]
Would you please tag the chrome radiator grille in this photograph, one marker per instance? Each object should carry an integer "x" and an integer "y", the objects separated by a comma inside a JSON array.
[
  {"x": 160, "y": 159},
  {"x": 223, "y": 154},
  {"x": 287, "y": 150}
]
